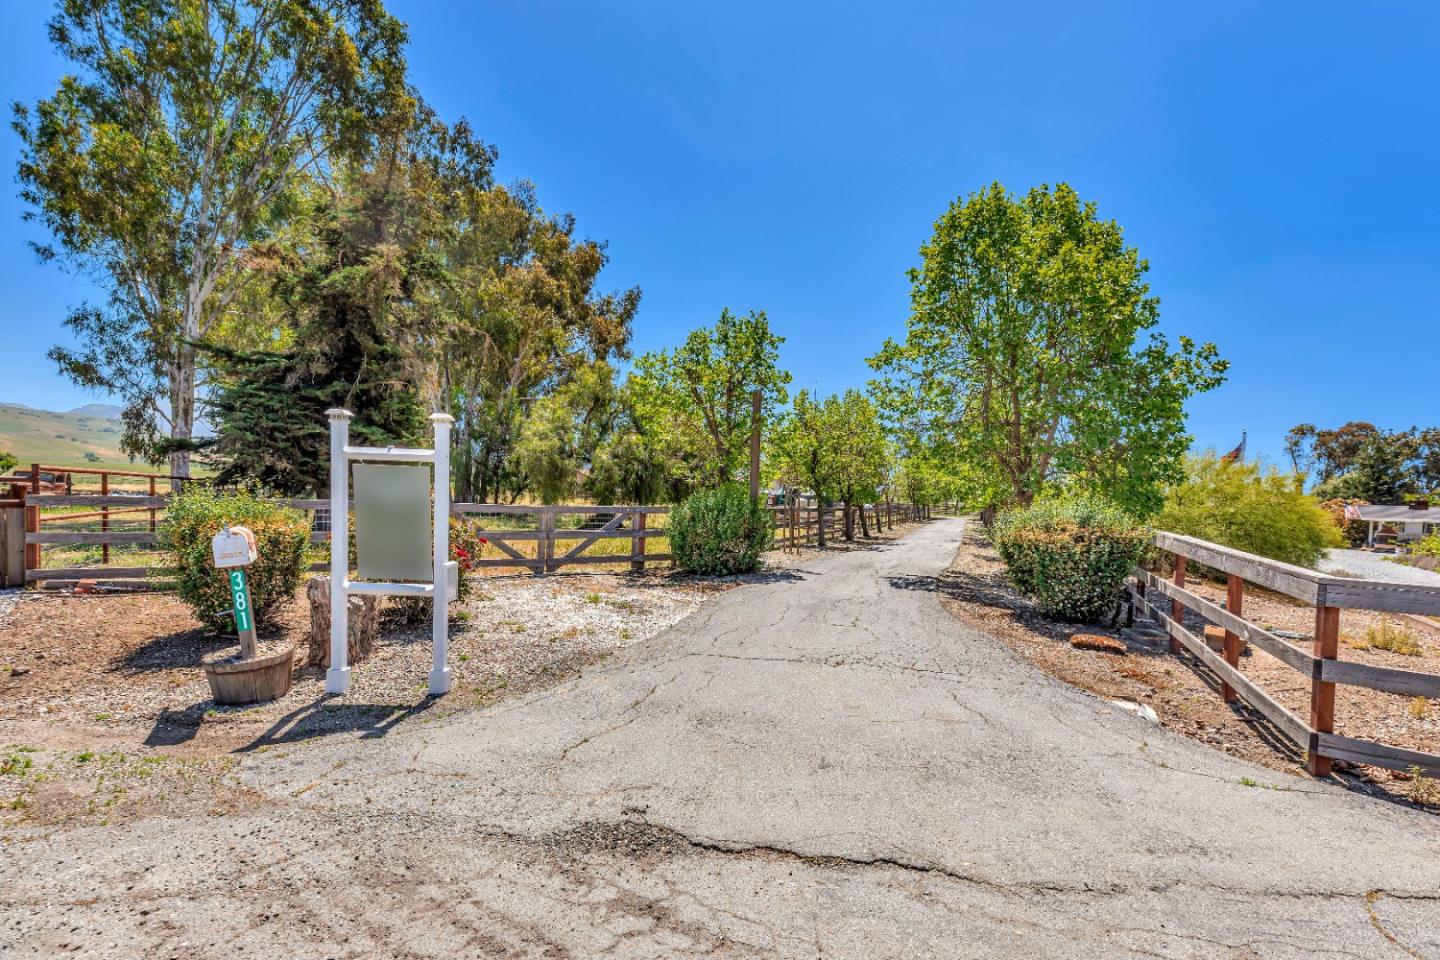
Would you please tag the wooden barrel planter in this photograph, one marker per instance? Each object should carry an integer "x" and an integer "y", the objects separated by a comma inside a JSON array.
[{"x": 248, "y": 681}]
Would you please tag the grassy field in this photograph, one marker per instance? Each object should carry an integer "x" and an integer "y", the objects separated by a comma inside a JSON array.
[{"x": 78, "y": 439}]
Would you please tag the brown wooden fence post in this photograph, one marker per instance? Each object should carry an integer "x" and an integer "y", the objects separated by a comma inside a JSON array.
[
  {"x": 637, "y": 543},
  {"x": 34, "y": 478},
  {"x": 105, "y": 517},
  {"x": 1177, "y": 609},
  {"x": 1234, "y": 603},
  {"x": 152, "y": 509},
  {"x": 1322, "y": 694},
  {"x": 32, "y": 525}
]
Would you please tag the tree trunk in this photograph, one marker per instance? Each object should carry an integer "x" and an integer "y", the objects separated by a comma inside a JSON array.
[
  {"x": 864, "y": 523},
  {"x": 182, "y": 410},
  {"x": 819, "y": 523},
  {"x": 363, "y": 622},
  {"x": 849, "y": 523}
]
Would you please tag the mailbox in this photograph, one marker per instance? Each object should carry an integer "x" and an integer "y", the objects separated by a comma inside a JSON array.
[{"x": 233, "y": 547}]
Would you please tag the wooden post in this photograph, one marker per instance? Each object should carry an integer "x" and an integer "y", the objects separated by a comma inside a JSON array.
[
  {"x": 32, "y": 525},
  {"x": 34, "y": 478},
  {"x": 105, "y": 517},
  {"x": 545, "y": 547},
  {"x": 754, "y": 444},
  {"x": 637, "y": 543},
  {"x": 1322, "y": 694},
  {"x": 1234, "y": 603},
  {"x": 1177, "y": 609},
  {"x": 152, "y": 509}
]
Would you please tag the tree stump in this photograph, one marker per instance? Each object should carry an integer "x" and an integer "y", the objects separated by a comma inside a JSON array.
[{"x": 364, "y": 624}]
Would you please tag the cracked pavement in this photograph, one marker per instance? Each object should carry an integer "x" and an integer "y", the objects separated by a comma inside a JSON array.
[{"x": 823, "y": 765}]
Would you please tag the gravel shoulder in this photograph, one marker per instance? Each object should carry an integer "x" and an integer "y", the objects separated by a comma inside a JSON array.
[{"x": 1375, "y": 566}]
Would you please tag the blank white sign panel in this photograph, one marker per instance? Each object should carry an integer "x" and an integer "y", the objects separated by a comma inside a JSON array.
[{"x": 393, "y": 533}]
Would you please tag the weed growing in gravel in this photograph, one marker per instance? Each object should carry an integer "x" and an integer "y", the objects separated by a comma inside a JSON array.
[
  {"x": 1387, "y": 636},
  {"x": 592, "y": 598},
  {"x": 15, "y": 764},
  {"x": 1419, "y": 706},
  {"x": 1423, "y": 789}
]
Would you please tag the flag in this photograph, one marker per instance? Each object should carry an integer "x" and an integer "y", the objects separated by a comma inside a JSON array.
[{"x": 1238, "y": 454}]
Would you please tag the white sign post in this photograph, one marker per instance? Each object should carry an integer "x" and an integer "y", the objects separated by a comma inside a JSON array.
[{"x": 337, "y": 678}]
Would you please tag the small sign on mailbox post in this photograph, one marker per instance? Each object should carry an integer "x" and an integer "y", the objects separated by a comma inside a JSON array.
[{"x": 233, "y": 549}]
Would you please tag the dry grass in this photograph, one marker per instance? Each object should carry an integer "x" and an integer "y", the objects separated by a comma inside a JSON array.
[{"x": 1396, "y": 639}]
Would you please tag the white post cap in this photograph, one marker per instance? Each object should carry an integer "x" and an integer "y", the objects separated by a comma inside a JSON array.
[
  {"x": 339, "y": 413},
  {"x": 438, "y": 417}
]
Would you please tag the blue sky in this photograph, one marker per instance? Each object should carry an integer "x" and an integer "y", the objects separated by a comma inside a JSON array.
[{"x": 1276, "y": 163}]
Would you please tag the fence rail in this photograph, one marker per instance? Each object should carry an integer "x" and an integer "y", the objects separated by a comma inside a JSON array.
[
  {"x": 1329, "y": 595},
  {"x": 534, "y": 537}
]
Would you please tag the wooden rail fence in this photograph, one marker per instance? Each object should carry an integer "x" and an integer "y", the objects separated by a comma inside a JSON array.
[
  {"x": 1329, "y": 595},
  {"x": 538, "y": 538}
]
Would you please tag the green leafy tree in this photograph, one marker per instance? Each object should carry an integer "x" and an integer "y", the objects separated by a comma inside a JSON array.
[
  {"x": 696, "y": 398},
  {"x": 1360, "y": 461},
  {"x": 521, "y": 316},
  {"x": 862, "y": 453},
  {"x": 804, "y": 448},
  {"x": 1024, "y": 355},
  {"x": 560, "y": 435},
  {"x": 348, "y": 302},
  {"x": 178, "y": 143},
  {"x": 1380, "y": 471},
  {"x": 7, "y": 461},
  {"x": 1239, "y": 505}
]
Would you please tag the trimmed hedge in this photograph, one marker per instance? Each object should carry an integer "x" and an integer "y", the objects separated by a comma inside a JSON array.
[
  {"x": 1070, "y": 556},
  {"x": 282, "y": 535},
  {"x": 720, "y": 532}
]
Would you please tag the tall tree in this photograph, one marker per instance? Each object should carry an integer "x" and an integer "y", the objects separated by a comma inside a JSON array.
[
  {"x": 1024, "y": 351},
  {"x": 697, "y": 397},
  {"x": 178, "y": 144},
  {"x": 1335, "y": 450},
  {"x": 348, "y": 299},
  {"x": 521, "y": 317},
  {"x": 804, "y": 448},
  {"x": 862, "y": 453}
]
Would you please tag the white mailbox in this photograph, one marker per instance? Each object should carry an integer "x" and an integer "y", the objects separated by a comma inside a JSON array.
[{"x": 233, "y": 547}]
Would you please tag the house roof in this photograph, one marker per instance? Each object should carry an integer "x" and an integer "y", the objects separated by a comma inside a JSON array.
[{"x": 1398, "y": 513}]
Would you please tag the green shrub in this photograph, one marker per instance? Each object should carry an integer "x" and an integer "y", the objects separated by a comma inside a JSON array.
[
  {"x": 1428, "y": 547},
  {"x": 7, "y": 461},
  {"x": 1238, "y": 505},
  {"x": 720, "y": 532},
  {"x": 282, "y": 535},
  {"x": 1070, "y": 556}
]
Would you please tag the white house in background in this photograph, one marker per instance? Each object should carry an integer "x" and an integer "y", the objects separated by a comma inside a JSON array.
[{"x": 1411, "y": 521}]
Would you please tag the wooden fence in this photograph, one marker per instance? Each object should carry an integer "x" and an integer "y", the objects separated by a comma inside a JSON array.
[
  {"x": 1329, "y": 595},
  {"x": 539, "y": 538}
]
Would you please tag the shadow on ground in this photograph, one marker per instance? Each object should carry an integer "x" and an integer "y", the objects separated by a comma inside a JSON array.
[{"x": 319, "y": 718}]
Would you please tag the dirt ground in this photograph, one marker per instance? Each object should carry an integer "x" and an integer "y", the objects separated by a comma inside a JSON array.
[
  {"x": 106, "y": 714},
  {"x": 1186, "y": 696}
]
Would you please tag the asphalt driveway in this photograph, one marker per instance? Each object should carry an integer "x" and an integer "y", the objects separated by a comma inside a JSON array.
[{"x": 824, "y": 765}]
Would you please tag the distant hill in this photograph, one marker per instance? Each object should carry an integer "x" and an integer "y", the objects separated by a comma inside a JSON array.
[
  {"x": 64, "y": 439},
  {"x": 106, "y": 411}
]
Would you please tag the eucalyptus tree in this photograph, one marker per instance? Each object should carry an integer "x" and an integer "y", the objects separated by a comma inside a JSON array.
[
  {"x": 521, "y": 317},
  {"x": 1026, "y": 356},
  {"x": 179, "y": 141},
  {"x": 696, "y": 398}
]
